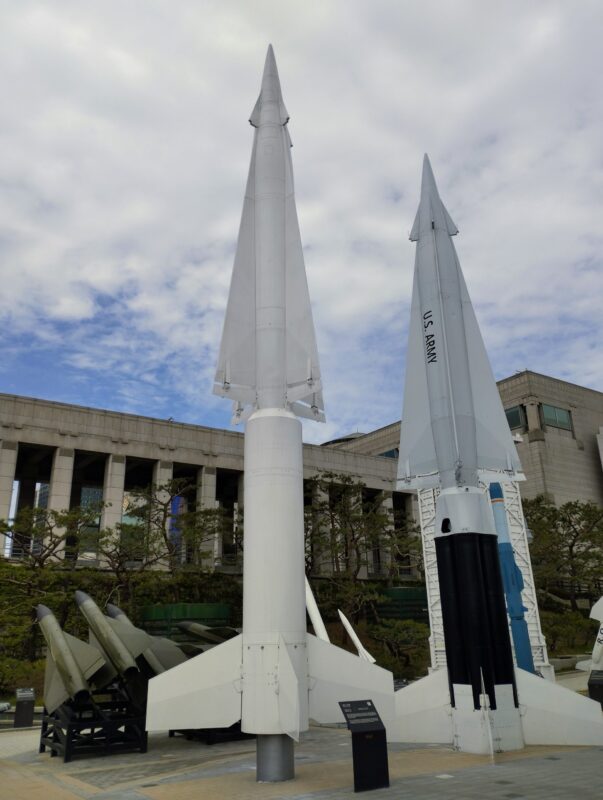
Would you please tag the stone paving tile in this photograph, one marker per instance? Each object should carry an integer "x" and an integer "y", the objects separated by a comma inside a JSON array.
[{"x": 175, "y": 769}]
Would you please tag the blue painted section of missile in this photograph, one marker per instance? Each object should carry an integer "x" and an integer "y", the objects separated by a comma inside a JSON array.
[{"x": 512, "y": 582}]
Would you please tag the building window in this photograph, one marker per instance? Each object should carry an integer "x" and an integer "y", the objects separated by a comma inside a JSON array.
[
  {"x": 516, "y": 417},
  {"x": 556, "y": 417},
  {"x": 390, "y": 453}
]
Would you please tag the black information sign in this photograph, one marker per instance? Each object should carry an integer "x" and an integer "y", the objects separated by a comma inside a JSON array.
[
  {"x": 595, "y": 685},
  {"x": 369, "y": 744}
]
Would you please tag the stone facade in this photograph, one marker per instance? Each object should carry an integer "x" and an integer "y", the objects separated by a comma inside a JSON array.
[
  {"x": 68, "y": 448},
  {"x": 564, "y": 463}
]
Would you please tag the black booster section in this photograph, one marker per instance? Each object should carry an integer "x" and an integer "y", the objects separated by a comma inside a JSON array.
[{"x": 474, "y": 614}]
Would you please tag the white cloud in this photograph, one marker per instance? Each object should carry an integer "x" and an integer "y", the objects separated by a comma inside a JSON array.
[{"x": 123, "y": 156}]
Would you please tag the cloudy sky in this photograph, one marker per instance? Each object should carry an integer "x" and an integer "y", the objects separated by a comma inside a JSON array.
[{"x": 124, "y": 148}]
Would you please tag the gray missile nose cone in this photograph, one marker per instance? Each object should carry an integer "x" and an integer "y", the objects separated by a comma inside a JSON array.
[
  {"x": 81, "y": 597},
  {"x": 114, "y": 611},
  {"x": 43, "y": 611}
]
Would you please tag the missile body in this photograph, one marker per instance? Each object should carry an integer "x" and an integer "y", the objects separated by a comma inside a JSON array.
[
  {"x": 109, "y": 642},
  {"x": 454, "y": 434},
  {"x": 160, "y": 654},
  {"x": 275, "y": 675},
  {"x": 512, "y": 582},
  {"x": 69, "y": 665}
]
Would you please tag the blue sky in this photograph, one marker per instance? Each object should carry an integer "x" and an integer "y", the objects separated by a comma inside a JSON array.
[{"x": 124, "y": 148}]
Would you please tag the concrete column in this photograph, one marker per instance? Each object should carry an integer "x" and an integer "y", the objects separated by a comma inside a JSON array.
[
  {"x": 8, "y": 463},
  {"x": 113, "y": 490},
  {"x": 163, "y": 471},
  {"x": 27, "y": 493},
  {"x": 59, "y": 492},
  {"x": 59, "y": 495},
  {"x": 533, "y": 416},
  {"x": 206, "y": 498}
]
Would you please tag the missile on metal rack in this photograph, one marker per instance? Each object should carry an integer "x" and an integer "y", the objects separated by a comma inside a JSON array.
[
  {"x": 360, "y": 649},
  {"x": 206, "y": 632},
  {"x": 161, "y": 653},
  {"x": 70, "y": 663},
  {"x": 454, "y": 435},
  {"x": 512, "y": 582},
  {"x": 274, "y": 675},
  {"x": 110, "y": 639}
]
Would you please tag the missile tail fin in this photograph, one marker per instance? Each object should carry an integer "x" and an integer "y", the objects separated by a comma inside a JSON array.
[
  {"x": 88, "y": 658},
  {"x": 288, "y": 693},
  {"x": 336, "y": 675},
  {"x": 54, "y": 688},
  {"x": 203, "y": 692}
]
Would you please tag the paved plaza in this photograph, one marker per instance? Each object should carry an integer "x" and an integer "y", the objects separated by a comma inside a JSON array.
[{"x": 175, "y": 769}]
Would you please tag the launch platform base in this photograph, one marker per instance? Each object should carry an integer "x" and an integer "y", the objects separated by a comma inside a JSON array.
[{"x": 101, "y": 729}]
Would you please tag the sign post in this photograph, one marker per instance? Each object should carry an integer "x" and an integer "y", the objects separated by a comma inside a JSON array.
[{"x": 369, "y": 745}]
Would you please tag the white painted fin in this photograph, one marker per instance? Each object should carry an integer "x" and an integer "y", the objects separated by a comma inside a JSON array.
[
  {"x": 549, "y": 714},
  {"x": 288, "y": 693},
  {"x": 204, "y": 692},
  {"x": 422, "y": 711},
  {"x": 334, "y": 676},
  {"x": 552, "y": 714},
  {"x": 315, "y": 615},
  {"x": 596, "y": 611},
  {"x": 360, "y": 649}
]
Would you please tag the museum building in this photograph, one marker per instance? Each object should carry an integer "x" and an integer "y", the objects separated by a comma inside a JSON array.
[{"x": 60, "y": 456}]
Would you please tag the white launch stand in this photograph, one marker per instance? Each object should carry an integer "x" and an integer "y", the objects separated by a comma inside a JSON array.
[{"x": 519, "y": 540}]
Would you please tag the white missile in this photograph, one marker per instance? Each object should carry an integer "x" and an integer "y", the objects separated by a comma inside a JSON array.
[
  {"x": 455, "y": 438},
  {"x": 274, "y": 676}
]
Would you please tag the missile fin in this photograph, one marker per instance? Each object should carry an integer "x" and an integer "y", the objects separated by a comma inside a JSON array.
[
  {"x": 336, "y": 675},
  {"x": 360, "y": 649},
  {"x": 552, "y": 714},
  {"x": 135, "y": 639},
  {"x": 288, "y": 693},
  {"x": 596, "y": 611},
  {"x": 88, "y": 658},
  {"x": 497, "y": 458},
  {"x": 302, "y": 353},
  {"x": 235, "y": 373},
  {"x": 203, "y": 692},
  {"x": 167, "y": 652},
  {"x": 54, "y": 688},
  {"x": 417, "y": 463}
]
